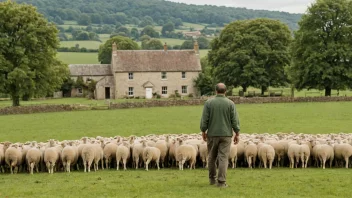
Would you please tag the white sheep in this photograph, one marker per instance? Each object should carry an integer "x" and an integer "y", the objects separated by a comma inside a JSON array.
[
  {"x": 233, "y": 155},
  {"x": 137, "y": 154},
  {"x": 185, "y": 152},
  {"x": 266, "y": 154},
  {"x": 109, "y": 153},
  {"x": 13, "y": 157},
  {"x": 325, "y": 152},
  {"x": 51, "y": 156},
  {"x": 68, "y": 156},
  {"x": 150, "y": 154},
  {"x": 162, "y": 146},
  {"x": 33, "y": 157},
  {"x": 343, "y": 152},
  {"x": 203, "y": 153},
  {"x": 123, "y": 153},
  {"x": 250, "y": 152}
]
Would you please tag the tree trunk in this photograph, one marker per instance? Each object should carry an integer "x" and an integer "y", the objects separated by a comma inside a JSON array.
[
  {"x": 327, "y": 91},
  {"x": 244, "y": 87},
  {"x": 26, "y": 97},
  {"x": 292, "y": 91},
  {"x": 264, "y": 88},
  {"x": 15, "y": 101}
]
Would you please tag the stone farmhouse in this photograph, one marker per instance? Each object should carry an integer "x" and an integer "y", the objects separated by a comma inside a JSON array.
[{"x": 141, "y": 73}]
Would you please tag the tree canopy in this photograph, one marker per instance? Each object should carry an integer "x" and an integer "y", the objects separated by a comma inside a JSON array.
[
  {"x": 28, "y": 44},
  {"x": 123, "y": 43},
  {"x": 136, "y": 11},
  {"x": 322, "y": 49},
  {"x": 251, "y": 53}
]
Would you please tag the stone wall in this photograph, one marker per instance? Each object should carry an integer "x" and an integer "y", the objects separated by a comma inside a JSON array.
[
  {"x": 162, "y": 103},
  {"x": 38, "y": 109},
  {"x": 236, "y": 100}
]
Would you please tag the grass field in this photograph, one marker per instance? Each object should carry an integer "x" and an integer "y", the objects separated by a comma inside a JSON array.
[
  {"x": 278, "y": 182},
  {"x": 86, "y": 44},
  {"x": 313, "y": 118},
  {"x": 173, "y": 183},
  {"x": 78, "y": 58}
]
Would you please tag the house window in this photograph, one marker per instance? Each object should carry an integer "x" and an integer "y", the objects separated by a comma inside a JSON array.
[
  {"x": 80, "y": 90},
  {"x": 163, "y": 75},
  {"x": 163, "y": 90},
  {"x": 184, "y": 89},
  {"x": 130, "y": 91},
  {"x": 130, "y": 76},
  {"x": 183, "y": 74}
]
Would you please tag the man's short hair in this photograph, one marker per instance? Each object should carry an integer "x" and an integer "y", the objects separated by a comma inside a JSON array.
[{"x": 220, "y": 88}]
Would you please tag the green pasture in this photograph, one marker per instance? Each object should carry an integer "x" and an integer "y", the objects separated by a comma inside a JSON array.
[
  {"x": 333, "y": 117},
  {"x": 275, "y": 183},
  {"x": 85, "y": 44},
  {"x": 312, "y": 118},
  {"x": 78, "y": 58},
  {"x": 193, "y": 25}
]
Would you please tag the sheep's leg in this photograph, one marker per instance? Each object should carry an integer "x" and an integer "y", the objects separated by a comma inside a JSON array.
[
  {"x": 37, "y": 167},
  {"x": 331, "y": 159},
  {"x": 107, "y": 163},
  {"x": 324, "y": 160},
  {"x": 270, "y": 163},
  {"x": 264, "y": 160},
  {"x": 85, "y": 166},
  {"x": 89, "y": 165},
  {"x": 346, "y": 160},
  {"x": 157, "y": 163},
  {"x": 137, "y": 162},
  {"x": 233, "y": 162},
  {"x": 48, "y": 166},
  {"x": 68, "y": 166},
  {"x": 307, "y": 159},
  {"x": 124, "y": 164},
  {"x": 147, "y": 164},
  {"x": 117, "y": 163},
  {"x": 32, "y": 167},
  {"x": 102, "y": 164},
  {"x": 11, "y": 169}
]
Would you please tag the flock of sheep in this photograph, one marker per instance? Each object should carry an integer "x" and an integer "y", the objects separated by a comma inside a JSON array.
[{"x": 152, "y": 151}]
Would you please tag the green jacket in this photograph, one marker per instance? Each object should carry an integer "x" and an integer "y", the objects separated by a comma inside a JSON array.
[{"x": 219, "y": 117}]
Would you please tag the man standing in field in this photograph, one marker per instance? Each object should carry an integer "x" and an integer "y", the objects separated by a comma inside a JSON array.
[{"x": 218, "y": 122}]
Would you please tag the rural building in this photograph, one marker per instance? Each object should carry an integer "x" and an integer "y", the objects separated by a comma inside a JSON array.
[
  {"x": 141, "y": 73},
  {"x": 194, "y": 34}
]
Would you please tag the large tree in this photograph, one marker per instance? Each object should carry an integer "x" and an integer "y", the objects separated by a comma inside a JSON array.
[
  {"x": 28, "y": 44},
  {"x": 322, "y": 49},
  {"x": 123, "y": 43},
  {"x": 152, "y": 44},
  {"x": 251, "y": 53}
]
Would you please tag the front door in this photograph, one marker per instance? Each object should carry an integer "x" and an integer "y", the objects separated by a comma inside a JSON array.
[
  {"x": 148, "y": 93},
  {"x": 107, "y": 92}
]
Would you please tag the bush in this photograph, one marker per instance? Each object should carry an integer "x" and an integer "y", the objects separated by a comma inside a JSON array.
[
  {"x": 190, "y": 95},
  {"x": 158, "y": 96}
]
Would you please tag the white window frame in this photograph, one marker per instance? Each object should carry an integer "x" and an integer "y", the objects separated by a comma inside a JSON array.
[
  {"x": 164, "y": 90},
  {"x": 163, "y": 75},
  {"x": 130, "y": 76},
  {"x": 183, "y": 77},
  {"x": 130, "y": 91},
  {"x": 186, "y": 88}
]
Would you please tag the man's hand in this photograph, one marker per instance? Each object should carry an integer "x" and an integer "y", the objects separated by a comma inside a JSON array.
[
  {"x": 204, "y": 135},
  {"x": 236, "y": 139}
]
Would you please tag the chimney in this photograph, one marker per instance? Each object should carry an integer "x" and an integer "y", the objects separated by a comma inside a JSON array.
[
  {"x": 165, "y": 47},
  {"x": 114, "y": 47},
  {"x": 196, "y": 47}
]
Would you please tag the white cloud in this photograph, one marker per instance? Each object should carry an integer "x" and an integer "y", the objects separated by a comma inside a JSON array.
[{"x": 292, "y": 6}]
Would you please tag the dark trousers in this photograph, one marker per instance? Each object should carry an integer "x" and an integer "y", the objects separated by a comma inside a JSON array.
[{"x": 218, "y": 149}]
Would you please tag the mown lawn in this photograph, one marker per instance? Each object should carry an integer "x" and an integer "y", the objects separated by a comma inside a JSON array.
[
  {"x": 312, "y": 118},
  {"x": 174, "y": 183},
  {"x": 78, "y": 58}
]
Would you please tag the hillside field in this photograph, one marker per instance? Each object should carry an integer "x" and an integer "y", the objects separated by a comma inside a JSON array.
[{"x": 255, "y": 118}]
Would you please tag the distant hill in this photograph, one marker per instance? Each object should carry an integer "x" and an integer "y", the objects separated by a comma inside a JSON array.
[{"x": 160, "y": 11}]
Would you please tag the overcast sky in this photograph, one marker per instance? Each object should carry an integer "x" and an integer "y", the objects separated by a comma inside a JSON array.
[{"x": 292, "y": 6}]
